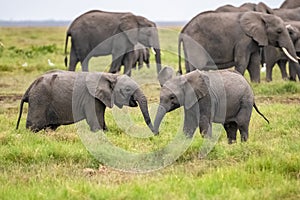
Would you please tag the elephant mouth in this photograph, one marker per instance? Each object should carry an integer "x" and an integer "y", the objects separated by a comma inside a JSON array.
[{"x": 132, "y": 102}]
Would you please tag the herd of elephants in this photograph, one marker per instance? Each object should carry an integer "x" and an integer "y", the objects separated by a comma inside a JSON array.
[{"x": 245, "y": 37}]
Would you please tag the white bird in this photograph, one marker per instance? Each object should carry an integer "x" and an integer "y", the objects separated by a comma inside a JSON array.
[
  {"x": 264, "y": 68},
  {"x": 51, "y": 64},
  {"x": 25, "y": 64}
]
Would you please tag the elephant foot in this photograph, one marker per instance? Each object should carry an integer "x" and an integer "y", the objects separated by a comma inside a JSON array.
[
  {"x": 244, "y": 139},
  {"x": 155, "y": 132},
  {"x": 95, "y": 129},
  {"x": 292, "y": 79},
  {"x": 178, "y": 73},
  {"x": 231, "y": 141}
]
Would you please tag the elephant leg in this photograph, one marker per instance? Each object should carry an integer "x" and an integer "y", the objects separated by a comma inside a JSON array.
[
  {"x": 205, "y": 122},
  {"x": 191, "y": 121},
  {"x": 231, "y": 129},
  {"x": 100, "y": 109},
  {"x": 37, "y": 116},
  {"x": 93, "y": 115},
  {"x": 294, "y": 71},
  {"x": 73, "y": 60},
  {"x": 254, "y": 67},
  {"x": 243, "y": 120},
  {"x": 205, "y": 127},
  {"x": 128, "y": 65},
  {"x": 282, "y": 67},
  {"x": 116, "y": 64},
  {"x": 269, "y": 71},
  {"x": 85, "y": 64}
]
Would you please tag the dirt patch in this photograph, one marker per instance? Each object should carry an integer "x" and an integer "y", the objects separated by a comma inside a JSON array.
[
  {"x": 10, "y": 97},
  {"x": 278, "y": 99}
]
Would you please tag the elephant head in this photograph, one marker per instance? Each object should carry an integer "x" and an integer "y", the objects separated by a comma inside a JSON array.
[
  {"x": 293, "y": 28},
  {"x": 266, "y": 30},
  {"x": 118, "y": 90},
  {"x": 148, "y": 36},
  {"x": 140, "y": 29},
  {"x": 184, "y": 91}
]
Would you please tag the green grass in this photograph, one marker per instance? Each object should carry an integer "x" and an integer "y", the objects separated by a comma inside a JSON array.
[{"x": 57, "y": 165}]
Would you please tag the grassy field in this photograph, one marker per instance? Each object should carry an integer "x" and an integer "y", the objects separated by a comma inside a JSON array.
[{"x": 57, "y": 165}]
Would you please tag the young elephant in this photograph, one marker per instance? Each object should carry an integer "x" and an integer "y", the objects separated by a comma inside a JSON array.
[
  {"x": 138, "y": 56},
  {"x": 62, "y": 97},
  {"x": 222, "y": 96}
]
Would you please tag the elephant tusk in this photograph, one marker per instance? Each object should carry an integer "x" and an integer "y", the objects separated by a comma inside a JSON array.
[
  {"x": 298, "y": 57},
  {"x": 153, "y": 51},
  {"x": 289, "y": 55}
]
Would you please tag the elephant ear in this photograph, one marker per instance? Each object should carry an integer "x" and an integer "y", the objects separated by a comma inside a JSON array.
[
  {"x": 195, "y": 87},
  {"x": 144, "y": 22},
  {"x": 294, "y": 34},
  {"x": 297, "y": 45},
  {"x": 165, "y": 74},
  {"x": 262, "y": 7},
  {"x": 129, "y": 26},
  {"x": 253, "y": 24},
  {"x": 100, "y": 86}
]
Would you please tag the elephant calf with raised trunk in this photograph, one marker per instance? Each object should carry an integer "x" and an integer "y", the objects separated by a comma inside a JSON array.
[
  {"x": 222, "y": 96},
  {"x": 61, "y": 97}
]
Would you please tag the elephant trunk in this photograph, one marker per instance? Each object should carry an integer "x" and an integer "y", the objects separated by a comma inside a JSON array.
[
  {"x": 142, "y": 101},
  {"x": 156, "y": 48},
  {"x": 288, "y": 49},
  {"x": 157, "y": 59},
  {"x": 161, "y": 112}
]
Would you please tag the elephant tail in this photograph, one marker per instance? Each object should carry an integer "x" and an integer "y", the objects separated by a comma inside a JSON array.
[
  {"x": 66, "y": 47},
  {"x": 180, "y": 41},
  {"x": 254, "y": 105},
  {"x": 24, "y": 99}
]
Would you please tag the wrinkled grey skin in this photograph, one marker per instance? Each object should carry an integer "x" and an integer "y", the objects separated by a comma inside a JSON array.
[
  {"x": 243, "y": 8},
  {"x": 285, "y": 14},
  {"x": 165, "y": 74},
  {"x": 245, "y": 34},
  {"x": 139, "y": 56},
  {"x": 62, "y": 97},
  {"x": 117, "y": 33},
  {"x": 274, "y": 55},
  {"x": 290, "y": 4},
  {"x": 222, "y": 96}
]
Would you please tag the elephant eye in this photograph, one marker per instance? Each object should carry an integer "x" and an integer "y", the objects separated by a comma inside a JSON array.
[
  {"x": 172, "y": 97},
  {"x": 279, "y": 31},
  {"x": 127, "y": 89}
]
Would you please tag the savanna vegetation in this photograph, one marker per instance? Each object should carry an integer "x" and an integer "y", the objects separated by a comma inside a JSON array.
[{"x": 57, "y": 165}]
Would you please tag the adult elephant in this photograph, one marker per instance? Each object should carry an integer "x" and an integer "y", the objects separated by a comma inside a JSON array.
[
  {"x": 117, "y": 33},
  {"x": 237, "y": 45},
  {"x": 274, "y": 55},
  {"x": 289, "y": 4},
  {"x": 62, "y": 97}
]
